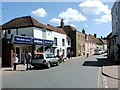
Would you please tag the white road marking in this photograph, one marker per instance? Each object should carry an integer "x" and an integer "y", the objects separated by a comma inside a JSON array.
[
  {"x": 99, "y": 73},
  {"x": 105, "y": 82}
]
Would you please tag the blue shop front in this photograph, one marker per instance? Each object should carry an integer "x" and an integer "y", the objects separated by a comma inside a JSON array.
[{"x": 21, "y": 44}]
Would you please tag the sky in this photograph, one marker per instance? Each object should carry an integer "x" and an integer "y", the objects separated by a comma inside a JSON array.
[{"x": 92, "y": 15}]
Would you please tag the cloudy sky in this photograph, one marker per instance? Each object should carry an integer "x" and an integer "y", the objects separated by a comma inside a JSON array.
[{"x": 92, "y": 15}]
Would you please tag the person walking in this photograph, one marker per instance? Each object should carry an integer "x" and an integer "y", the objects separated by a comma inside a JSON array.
[
  {"x": 28, "y": 57},
  {"x": 68, "y": 55},
  {"x": 87, "y": 54},
  {"x": 16, "y": 60},
  {"x": 71, "y": 54}
]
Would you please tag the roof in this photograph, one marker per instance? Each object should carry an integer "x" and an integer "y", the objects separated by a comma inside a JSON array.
[
  {"x": 91, "y": 38},
  {"x": 104, "y": 41},
  {"x": 55, "y": 29},
  {"x": 21, "y": 22},
  {"x": 71, "y": 27},
  {"x": 109, "y": 35},
  {"x": 68, "y": 29}
]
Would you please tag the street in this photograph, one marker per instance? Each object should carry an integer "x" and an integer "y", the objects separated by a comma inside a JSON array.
[{"x": 74, "y": 73}]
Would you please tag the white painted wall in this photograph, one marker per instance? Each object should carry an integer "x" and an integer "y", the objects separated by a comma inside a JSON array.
[
  {"x": 27, "y": 31},
  {"x": 59, "y": 37},
  {"x": 37, "y": 33}
]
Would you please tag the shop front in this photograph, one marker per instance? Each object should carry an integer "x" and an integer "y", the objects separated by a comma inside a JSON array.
[{"x": 21, "y": 44}]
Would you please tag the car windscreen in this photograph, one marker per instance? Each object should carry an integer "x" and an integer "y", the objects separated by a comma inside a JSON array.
[
  {"x": 49, "y": 56},
  {"x": 38, "y": 56}
]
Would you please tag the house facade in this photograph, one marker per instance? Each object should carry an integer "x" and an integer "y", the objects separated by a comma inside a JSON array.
[
  {"x": 116, "y": 31},
  {"x": 62, "y": 42},
  {"x": 80, "y": 43},
  {"x": 27, "y": 34},
  {"x": 77, "y": 39},
  {"x": 90, "y": 44},
  {"x": 104, "y": 44}
]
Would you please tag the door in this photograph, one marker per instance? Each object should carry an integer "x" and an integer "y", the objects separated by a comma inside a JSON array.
[{"x": 18, "y": 52}]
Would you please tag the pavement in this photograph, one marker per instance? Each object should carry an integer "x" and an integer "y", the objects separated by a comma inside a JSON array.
[
  {"x": 111, "y": 76},
  {"x": 22, "y": 67}
]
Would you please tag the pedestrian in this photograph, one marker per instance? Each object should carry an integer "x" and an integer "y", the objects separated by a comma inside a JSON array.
[
  {"x": 16, "y": 60},
  {"x": 87, "y": 54},
  {"x": 68, "y": 55},
  {"x": 28, "y": 58},
  {"x": 23, "y": 58},
  {"x": 71, "y": 54}
]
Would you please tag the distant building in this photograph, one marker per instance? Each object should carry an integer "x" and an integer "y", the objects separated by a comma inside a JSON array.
[
  {"x": 90, "y": 44},
  {"x": 104, "y": 44},
  {"x": 77, "y": 39}
]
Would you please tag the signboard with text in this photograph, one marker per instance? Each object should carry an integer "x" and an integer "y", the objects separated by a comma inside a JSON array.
[{"x": 31, "y": 40}]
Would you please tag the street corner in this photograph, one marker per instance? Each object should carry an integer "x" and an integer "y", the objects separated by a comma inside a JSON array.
[{"x": 110, "y": 76}]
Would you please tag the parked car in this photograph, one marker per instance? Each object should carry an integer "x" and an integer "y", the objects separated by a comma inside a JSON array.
[
  {"x": 44, "y": 59},
  {"x": 97, "y": 52}
]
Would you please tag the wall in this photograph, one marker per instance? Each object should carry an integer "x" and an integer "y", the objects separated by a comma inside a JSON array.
[
  {"x": 59, "y": 37},
  {"x": 27, "y": 31},
  {"x": 80, "y": 43}
]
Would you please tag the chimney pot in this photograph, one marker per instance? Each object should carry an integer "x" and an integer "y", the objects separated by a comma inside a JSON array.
[
  {"x": 62, "y": 23},
  {"x": 95, "y": 35}
]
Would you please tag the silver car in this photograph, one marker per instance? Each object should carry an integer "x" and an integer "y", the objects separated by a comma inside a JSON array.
[{"x": 44, "y": 59}]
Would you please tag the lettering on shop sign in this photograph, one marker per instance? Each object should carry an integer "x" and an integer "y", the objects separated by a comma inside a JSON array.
[
  {"x": 19, "y": 39},
  {"x": 38, "y": 41},
  {"x": 23, "y": 39},
  {"x": 48, "y": 42},
  {"x": 31, "y": 40}
]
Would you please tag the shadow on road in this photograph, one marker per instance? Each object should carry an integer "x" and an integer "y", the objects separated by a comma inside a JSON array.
[
  {"x": 99, "y": 63},
  {"x": 91, "y": 63},
  {"x": 107, "y": 62}
]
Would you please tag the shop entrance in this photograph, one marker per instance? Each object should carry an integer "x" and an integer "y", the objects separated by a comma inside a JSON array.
[{"x": 18, "y": 52}]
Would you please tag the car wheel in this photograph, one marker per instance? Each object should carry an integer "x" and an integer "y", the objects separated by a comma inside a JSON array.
[
  {"x": 48, "y": 65},
  {"x": 57, "y": 63}
]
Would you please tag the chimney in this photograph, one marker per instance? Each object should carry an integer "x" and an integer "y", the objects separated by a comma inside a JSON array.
[
  {"x": 95, "y": 35},
  {"x": 62, "y": 23},
  {"x": 83, "y": 31},
  {"x": 101, "y": 37}
]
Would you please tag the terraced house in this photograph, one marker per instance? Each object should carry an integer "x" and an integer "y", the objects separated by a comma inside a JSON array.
[
  {"x": 77, "y": 39},
  {"x": 27, "y": 34}
]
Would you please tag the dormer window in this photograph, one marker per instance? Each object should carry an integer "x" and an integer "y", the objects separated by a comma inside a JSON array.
[{"x": 9, "y": 31}]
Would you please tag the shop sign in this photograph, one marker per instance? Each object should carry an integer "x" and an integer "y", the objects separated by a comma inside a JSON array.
[
  {"x": 37, "y": 41},
  {"x": 31, "y": 40},
  {"x": 20, "y": 39},
  {"x": 48, "y": 42}
]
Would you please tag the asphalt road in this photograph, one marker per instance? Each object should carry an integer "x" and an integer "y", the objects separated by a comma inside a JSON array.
[{"x": 74, "y": 73}]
